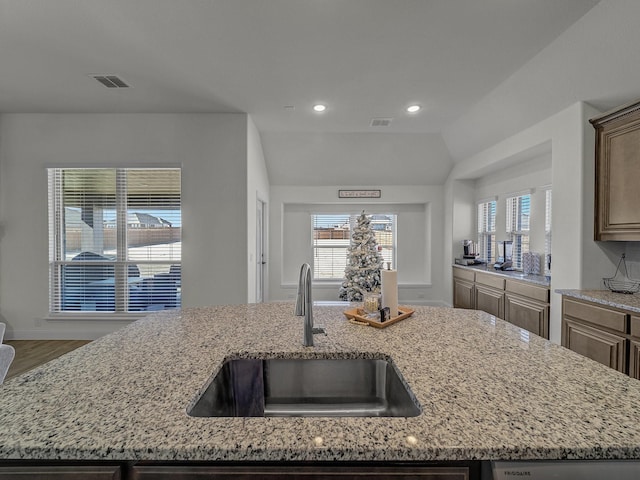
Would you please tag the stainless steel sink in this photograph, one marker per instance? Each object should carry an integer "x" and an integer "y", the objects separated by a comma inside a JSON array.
[{"x": 306, "y": 388}]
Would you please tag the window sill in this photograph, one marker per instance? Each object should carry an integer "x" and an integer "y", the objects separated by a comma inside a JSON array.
[{"x": 93, "y": 316}]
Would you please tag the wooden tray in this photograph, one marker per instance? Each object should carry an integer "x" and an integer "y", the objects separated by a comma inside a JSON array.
[{"x": 358, "y": 315}]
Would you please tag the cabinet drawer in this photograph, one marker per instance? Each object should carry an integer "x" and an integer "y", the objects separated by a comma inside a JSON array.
[
  {"x": 603, "y": 317},
  {"x": 489, "y": 280},
  {"x": 463, "y": 274},
  {"x": 534, "y": 292}
]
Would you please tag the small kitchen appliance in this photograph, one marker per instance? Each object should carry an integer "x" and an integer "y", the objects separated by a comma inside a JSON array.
[
  {"x": 505, "y": 255},
  {"x": 469, "y": 253}
]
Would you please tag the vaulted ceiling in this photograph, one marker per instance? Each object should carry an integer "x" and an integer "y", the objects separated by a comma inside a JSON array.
[{"x": 274, "y": 59}]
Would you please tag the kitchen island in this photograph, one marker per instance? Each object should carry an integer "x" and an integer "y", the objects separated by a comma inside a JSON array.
[{"x": 486, "y": 389}]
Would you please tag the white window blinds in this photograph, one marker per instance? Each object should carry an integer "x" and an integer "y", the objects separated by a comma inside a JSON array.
[
  {"x": 114, "y": 239},
  {"x": 332, "y": 236},
  {"x": 518, "y": 216},
  {"x": 487, "y": 231},
  {"x": 547, "y": 232}
]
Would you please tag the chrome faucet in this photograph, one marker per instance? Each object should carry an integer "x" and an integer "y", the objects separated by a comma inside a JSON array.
[{"x": 304, "y": 306}]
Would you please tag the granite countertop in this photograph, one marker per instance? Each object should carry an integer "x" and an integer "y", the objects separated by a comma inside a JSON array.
[
  {"x": 487, "y": 389},
  {"x": 513, "y": 274},
  {"x": 608, "y": 298}
]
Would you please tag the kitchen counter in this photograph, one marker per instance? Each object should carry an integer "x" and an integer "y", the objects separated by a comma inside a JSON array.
[
  {"x": 487, "y": 389},
  {"x": 606, "y": 297},
  {"x": 514, "y": 274}
]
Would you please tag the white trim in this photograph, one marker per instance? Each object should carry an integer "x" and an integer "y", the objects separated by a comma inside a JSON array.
[
  {"x": 92, "y": 316},
  {"x": 327, "y": 284},
  {"x": 487, "y": 200},
  {"x": 520, "y": 193}
]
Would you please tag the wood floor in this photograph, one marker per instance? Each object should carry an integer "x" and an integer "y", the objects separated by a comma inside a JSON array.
[{"x": 31, "y": 353}]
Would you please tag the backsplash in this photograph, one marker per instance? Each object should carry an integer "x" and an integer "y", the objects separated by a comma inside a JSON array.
[{"x": 632, "y": 251}]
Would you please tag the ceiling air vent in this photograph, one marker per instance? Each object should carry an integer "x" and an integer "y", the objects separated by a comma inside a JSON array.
[
  {"x": 111, "y": 81},
  {"x": 381, "y": 122}
]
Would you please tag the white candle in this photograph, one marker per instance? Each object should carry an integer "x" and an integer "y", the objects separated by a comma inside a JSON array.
[{"x": 390, "y": 291}]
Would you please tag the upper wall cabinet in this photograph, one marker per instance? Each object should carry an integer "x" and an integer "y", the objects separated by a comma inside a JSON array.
[{"x": 617, "y": 196}]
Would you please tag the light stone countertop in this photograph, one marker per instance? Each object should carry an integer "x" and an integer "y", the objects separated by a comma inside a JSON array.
[
  {"x": 541, "y": 280},
  {"x": 606, "y": 298},
  {"x": 488, "y": 390}
]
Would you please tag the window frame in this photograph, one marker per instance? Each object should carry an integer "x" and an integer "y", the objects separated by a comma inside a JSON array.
[
  {"x": 486, "y": 236},
  {"x": 548, "y": 216},
  {"x": 121, "y": 264},
  {"x": 352, "y": 218},
  {"x": 515, "y": 221}
]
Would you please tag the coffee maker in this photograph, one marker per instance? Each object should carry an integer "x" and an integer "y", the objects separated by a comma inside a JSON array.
[
  {"x": 469, "y": 249},
  {"x": 505, "y": 255},
  {"x": 469, "y": 253}
]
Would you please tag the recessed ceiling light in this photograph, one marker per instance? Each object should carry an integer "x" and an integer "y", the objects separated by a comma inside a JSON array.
[
  {"x": 319, "y": 108},
  {"x": 414, "y": 108}
]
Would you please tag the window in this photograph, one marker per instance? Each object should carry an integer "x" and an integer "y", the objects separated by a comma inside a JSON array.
[
  {"x": 114, "y": 239},
  {"x": 487, "y": 231},
  {"x": 547, "y": 233},
  {"x": 332, "y": 237},
  {"x": 518, "y": 214}
]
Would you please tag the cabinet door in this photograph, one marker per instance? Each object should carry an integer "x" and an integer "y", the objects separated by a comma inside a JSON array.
[
  {"x": 617, "y": 216},
  {"x": 490, "y": 300},
  {"x": 61, "y": 472},
  {"x": 463, "y": 294},
  {"x": 528, "y": 314},
  {"x": 603, "y": 347},
  {"x": 634, "y": 360},
  {"x": 299, "y": 473}
]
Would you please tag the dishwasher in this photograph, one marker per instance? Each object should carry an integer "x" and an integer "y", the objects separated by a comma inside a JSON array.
[{"x": 562, "y": 470}]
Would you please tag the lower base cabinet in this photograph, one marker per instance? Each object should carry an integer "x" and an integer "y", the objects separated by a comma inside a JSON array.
[
  {"x": 606, "y": 348},
  {"x": 490, "y": 300},
  {"x": 38, "y": 470},
  {"x": 527, "y": 314},
  {"x": 634, "y": 360},
  {"x": 608, "y": 335},
  {"x": 520, "y": 302},
  {"x": 349, "y": 472},
  {"x": 60, "y": 472}
]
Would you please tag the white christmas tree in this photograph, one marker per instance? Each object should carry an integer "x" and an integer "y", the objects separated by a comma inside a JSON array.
[{"x": 364, "y": 261}]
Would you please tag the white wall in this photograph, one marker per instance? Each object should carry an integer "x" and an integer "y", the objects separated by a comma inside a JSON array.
[
  {"x": 420, "y": 248},
  {"x": 257, "y": 189},
  {"x": 531, "y": 175},
  {"x": 212, "y": 150},
  {"x": 578, "y": 261}
]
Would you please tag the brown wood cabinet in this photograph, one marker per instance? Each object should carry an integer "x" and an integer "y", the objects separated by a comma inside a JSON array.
[
  {"x": 186, "y": 472},
  {"x": 489, "y": 291},
  {"x": 634, "y": 347},
  {"x": 519, "y": 302},
  {"x": 605, "y": 334},
  {"x": 617, "y": 196},
  {"x": 463, "y": 288},
  {"x": 61, "y": 472},
  {"x": 150, "y": 470},
  {"x": 596, "y": 344},
  {"x": 527, "y": 306}
]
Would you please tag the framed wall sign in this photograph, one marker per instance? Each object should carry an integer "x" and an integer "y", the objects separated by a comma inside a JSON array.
[{"x": 359, "y": 193}]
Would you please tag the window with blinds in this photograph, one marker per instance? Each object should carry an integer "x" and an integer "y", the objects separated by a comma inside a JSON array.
[
  {"x": 332, "y": 237},
  {"x": 518, "y": 216},
  {"x": 547, "y": 233},
  {"x": 487, "y": 231},
  {"x": 114, "y": 239}
]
